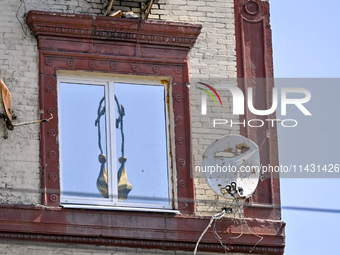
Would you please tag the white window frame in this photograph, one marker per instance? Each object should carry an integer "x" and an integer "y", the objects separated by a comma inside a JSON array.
[{"x": 108, "y": 80}]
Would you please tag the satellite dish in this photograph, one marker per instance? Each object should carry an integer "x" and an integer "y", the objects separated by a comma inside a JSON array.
[{"x": 231, "y": 166}]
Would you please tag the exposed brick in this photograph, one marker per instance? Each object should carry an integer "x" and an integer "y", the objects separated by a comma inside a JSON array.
[
  {"x": 130, "y": 4},
  {"x": 153, "y": 16},
  {"x": 122, "y": 8},
  {"x": 157, "y": 11},
  {"x": 136, "y": 10}
]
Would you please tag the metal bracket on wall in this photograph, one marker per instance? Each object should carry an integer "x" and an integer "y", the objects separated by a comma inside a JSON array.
[
  {"x": 147, "y": 9},
  {"x": 3, "y": 116},
  {"x": 11, "y": 126},
  {"x": 109, "y": 5},
  {"x": 228, "y": 210},
  {"x": 6, "y": 104}
]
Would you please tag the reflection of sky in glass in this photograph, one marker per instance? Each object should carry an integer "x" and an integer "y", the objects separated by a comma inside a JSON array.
[
  {"x": 145, "y": 142},
  {"x": 80, "y": 151}
]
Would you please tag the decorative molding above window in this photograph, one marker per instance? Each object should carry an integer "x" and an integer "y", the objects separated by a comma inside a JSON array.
[{"x": 115, "y": 29}]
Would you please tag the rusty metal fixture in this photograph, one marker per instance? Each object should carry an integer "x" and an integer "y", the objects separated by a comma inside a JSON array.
[
  {"x": 147, "y": 9},
  {"x": 6, "y": 103},
  {"x": 109, "y": 6},
  {"x": 116, "y": 14},
  {"x": 8, "y": 116},
  {"x": 228, "y": 210}
]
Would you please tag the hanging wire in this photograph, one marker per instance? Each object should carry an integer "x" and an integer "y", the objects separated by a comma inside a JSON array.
[
  {"x": 239, "y": 209},
  {"x": 34, "y": 121},
  {"x": 218, "y": 238},
  {"x": 261, "y": 237},
  {"x": 242, "y": 220},
  {"x": 246, "y": 224},
  {"x": 215, "y": 217},
  {"x": 22, "y": 2}
]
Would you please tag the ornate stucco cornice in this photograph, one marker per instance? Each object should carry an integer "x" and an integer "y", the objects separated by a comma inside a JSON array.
[{"x": 109, "y": 28}]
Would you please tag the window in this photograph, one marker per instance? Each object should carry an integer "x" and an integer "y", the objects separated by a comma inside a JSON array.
[
  {"x": 114, "y": 142},
  {"x": 151, "y": 51}
]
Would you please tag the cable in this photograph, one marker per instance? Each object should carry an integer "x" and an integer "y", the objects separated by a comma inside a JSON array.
[
  {"x": 310, "y": 209},
  {"x": 261, "y": 237},
  {"x": 237, "y": 209},
  {"x": 21, "y": 24},
  {"x": 215, "y": 217},
  {"x": 216, "y": 235},
  {"x": 34, "y": 121}
]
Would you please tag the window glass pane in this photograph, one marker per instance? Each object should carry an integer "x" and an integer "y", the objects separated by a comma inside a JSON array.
[
  {"x": 79, "y": 105},
  {"x": 145, "y": 143}
]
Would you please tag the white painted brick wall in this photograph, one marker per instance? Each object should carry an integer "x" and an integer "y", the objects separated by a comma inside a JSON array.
[
  {"x": 19, "y": 154},
  {"x": 212, "y": 57}
]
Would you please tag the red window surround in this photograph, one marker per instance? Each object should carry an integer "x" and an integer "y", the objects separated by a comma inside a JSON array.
[
  {"x": 104, "y": 44},
  {"x": 125, "y": 46}
]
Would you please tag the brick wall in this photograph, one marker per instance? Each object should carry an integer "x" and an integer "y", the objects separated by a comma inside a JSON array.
[
  {"x": 19, "y": 154},
  {"x": 212, "y": 58}
]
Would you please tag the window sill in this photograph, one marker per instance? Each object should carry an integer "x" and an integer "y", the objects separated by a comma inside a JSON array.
[{"x": 118, "y": 208}]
